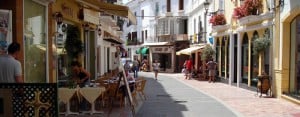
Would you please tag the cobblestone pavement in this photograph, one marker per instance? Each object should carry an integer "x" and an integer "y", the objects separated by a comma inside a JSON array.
[{"x": 241, "y": 100}]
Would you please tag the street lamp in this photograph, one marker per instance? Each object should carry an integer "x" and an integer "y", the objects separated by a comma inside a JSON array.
[{"x": 206, "y": 5}]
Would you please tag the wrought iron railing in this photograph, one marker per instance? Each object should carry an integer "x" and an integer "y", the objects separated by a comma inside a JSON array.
[{"x": 29, "y": 99}]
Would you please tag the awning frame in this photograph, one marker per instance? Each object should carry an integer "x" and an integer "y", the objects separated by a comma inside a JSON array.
[{"x": 108, "y": 8}]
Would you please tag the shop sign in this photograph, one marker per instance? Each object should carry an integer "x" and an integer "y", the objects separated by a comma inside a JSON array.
[
  {"x": 161, "y": 50},
  {"x": 91, "y": 16},
  {"x": 67, "y": 10}
]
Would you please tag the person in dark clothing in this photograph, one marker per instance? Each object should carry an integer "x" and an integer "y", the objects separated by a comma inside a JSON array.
[
  {"x": 79, "y": 74},
  {"x": 82, "y": 77}
]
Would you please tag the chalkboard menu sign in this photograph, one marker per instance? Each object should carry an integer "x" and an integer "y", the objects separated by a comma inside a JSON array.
[{"x": 1, "y": 106}]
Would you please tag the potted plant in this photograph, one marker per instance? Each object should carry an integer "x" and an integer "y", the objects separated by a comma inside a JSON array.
[
  {"x": 73, "y": 44},
  {"x": 217, "y": 19},
  {"x": 207, "y": 53},
  {"x": 260, "y": 44}
]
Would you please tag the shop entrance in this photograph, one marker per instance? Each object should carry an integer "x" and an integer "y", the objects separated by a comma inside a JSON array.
[{"x": 164, "y": 59}]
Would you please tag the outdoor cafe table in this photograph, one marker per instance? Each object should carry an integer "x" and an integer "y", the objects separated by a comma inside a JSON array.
[
  {"x": 89, "y": 93},
  {"x": 64, "y": 95}
]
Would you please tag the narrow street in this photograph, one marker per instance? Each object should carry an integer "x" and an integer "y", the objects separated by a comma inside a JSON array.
[
  {"x": 172, "y": 96},
  {"x": 168, "y": 97}
]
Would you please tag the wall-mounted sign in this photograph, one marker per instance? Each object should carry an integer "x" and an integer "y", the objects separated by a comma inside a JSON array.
[
  {"x": 91, "y": 16},
  {"x": 161, "y": 49}
]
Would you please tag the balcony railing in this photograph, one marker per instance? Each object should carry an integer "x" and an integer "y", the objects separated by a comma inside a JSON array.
[{"x": 197, "y": 38}]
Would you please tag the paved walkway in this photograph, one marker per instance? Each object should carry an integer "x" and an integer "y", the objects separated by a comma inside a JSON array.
[
  {"x": 168, "y": 97},
  {"x": 243, "y": 101}
]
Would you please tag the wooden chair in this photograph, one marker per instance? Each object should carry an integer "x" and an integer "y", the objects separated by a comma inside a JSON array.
[{"x": 140, "y": 86}]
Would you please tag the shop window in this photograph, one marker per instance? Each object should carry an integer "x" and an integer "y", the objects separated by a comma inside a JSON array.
[
  {"x": 217, "y": 53},
  {"x": 227, "y": 56},
  {"x": 35, "y": 42},
  {"x": 294, "y": 80},
  {"x": 245, "y": 58},
  {"x": 254, "y": 62},
  {"x": 223, "y": 52}
]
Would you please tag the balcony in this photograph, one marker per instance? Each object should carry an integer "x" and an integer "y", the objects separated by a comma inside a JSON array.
[
  {"x": 219, "y": 28},
  {"x": 252, "y": 19}
]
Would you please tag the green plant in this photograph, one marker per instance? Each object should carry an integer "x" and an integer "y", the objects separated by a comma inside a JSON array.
[
  {"x": 73, "y": 44},
  {"x": 260, "y": 44},
  {"x": 207, "y": 53}
]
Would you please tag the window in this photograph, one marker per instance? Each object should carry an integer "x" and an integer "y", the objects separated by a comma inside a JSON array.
[
  {"x": 146, "y": 36},
  {"x": 181, "y": 2},
  {"x": 168, "y": 5},
  {"x": 294, "y": 79},
  {"x": 142, "y": 36},
  {"x": 156, "y": 8},
  {"x": 221, "y": 5},
  {"x": 199, "y": 24},
  {"x": 142, "y": 14},
  {"x": 35, "y": 42},
  {"x": 194, "y": 26}
]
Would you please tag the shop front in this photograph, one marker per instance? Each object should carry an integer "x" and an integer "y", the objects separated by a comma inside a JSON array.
[
  {"x": 165, "y": 56},
  {"x": 67, "y": 33},
  {"x": 287, "y": 68}
]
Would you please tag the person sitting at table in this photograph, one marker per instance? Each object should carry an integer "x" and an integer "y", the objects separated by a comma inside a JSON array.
[
  {"x": 79, "y": 74},
  {"x": 131, "y": 82},
  {"x": 82, "y": 77}
]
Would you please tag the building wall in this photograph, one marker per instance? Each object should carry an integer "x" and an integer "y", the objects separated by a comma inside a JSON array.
[{"x": 284, "y": 16}]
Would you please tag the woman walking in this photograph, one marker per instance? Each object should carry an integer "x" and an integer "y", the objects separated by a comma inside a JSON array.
[{"x": 156, "y": 65}]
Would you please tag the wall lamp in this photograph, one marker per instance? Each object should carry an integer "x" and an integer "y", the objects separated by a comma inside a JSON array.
[
  {"x": 206, "y": 5},
  {"x": 58, "y": 17},
  {"x": 86, "y": 26},
  {"x": 99, "y": 31},
  {"x": 281, "y": 3}
]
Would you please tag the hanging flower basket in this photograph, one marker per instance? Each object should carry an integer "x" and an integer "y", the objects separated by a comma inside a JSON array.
[{"x": 218, "y": 19}]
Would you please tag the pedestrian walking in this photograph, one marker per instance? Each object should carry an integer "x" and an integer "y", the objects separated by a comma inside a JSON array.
[
  {"x": 188, "y": 68},
  {"x": 135, "y": 65},
  {"x": 156, "y": 66},
  {"x": 10, "y": 67},
  {"x": 211, "y": 66},
  {"x": 127, "y": 67}
]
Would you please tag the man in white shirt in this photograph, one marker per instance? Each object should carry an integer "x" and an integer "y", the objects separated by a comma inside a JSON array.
[{"x": 10, "y": 68}]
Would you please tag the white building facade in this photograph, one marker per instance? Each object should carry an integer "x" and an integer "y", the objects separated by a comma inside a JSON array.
[{"x": 161, "y": 28}]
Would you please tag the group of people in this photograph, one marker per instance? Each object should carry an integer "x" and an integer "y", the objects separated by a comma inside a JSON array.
[
  {"x": 188, "y": 69},
  {"x": 155, "y": 65}
]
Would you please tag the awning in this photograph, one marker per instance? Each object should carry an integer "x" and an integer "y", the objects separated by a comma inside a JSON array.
[
  {"x": 113, "y": 40},
  {"x": 108, "y": 8},
  {"x": 189, "y": 51},
  {"x": 156, "y": 44},
  {"x": 143, "y": 51}
]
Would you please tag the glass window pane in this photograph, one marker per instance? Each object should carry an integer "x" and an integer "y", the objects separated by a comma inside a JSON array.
[{"x": 35, "y": 41}]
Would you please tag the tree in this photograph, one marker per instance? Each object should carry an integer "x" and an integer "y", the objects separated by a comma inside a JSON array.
[{"x": 207, "y": 53}]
